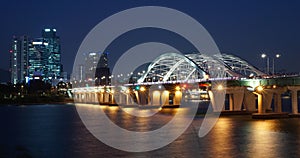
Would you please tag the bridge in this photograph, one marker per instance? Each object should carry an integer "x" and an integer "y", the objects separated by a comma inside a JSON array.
[{"x": 172, "y": 77}]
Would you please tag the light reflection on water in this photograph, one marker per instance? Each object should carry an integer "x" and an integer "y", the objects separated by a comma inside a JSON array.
[{"x": 56, "y": 131}]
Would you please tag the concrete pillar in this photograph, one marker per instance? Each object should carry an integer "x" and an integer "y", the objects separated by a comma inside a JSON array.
[
  {"x": 294, "y": 101},
  {"x": 260, "y": 107},
  {"x": 95, "y": 97},
  {"x": 264, "y": 101},
  {"x": 231, "y": 102},
  {"x": 143, "y": 99},
  {"x": 165, "y": 98},
  {"x": 106, "y": 97},
  {"x": 267, "y": 99},
  {"x": 217, "y": 99},
  {"x": 120, "y": 98},
  {"x": 86, "y": 97},
  {"x": 128, "y": 101},
  {"x": 294, "y": 91},
  {"x": 249, "y": 101},
  {"x": 101, "y": 98},
  {"x": 238, "y": 98},
  {"x": 177, "y": 98},
  {"x": 91, "y": 99},
  {"x": 112, "y": 98},
  {"x": 156, "y": 98}
]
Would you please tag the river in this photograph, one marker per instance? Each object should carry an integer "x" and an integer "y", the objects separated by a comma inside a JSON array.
[{"x": 49, "y": 131}]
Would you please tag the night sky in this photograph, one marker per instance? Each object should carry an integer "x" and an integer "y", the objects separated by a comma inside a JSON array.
[{"x": 243, "y": 28}]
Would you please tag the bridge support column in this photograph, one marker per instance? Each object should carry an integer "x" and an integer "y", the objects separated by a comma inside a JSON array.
[
  {"x": 249, "y": 101},
  {"x": 260, "y": 107},
  {"x": 106, "y": 98},
  {"x": 177, "y": 98},
  {"x": 156, "y": 98},
  {"x": 112, "y": 98},
  {"x": 121, "y": 99},
  {"x": 238, "y": 100},
  {"x": 101, "y": 100},
  {"x": 277, "y": 103},
  {"x": 128, "y": 99},
  {"x": 267, "y": 100},
  {"x": 143, "y": 98},
  {"x": 264, "y": 100},
  {"x": 294, "y": 101},
  {"x": 165, "y": 98},
  {"x": 236, "y": 96},
  {"x": 95, "y": 97},
  {"x": 294, "y": 90},
  {"x": 217, "y": 99},
  {"x": 277, "y": 98}
]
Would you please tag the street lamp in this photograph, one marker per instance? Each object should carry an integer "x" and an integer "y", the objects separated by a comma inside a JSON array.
[
  {"x": 268, "y": 62},
  {"x": 276, "y": 56}
]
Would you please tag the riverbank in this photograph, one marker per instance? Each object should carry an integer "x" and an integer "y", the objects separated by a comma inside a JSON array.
[{"x": 36, "y": 100}]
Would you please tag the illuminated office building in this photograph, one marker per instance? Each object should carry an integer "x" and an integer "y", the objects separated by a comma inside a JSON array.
[
  {"x": 36, "y": 57},
  {"x": 19, "y": 59}
]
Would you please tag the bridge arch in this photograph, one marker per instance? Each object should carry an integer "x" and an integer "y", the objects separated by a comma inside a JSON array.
[
  {"x": 171, "y": 67},
  {"x": 177, "y": 67}
]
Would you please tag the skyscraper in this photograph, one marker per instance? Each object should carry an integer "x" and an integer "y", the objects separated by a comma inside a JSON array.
[
  {"x": 53, "y": 54},
  {"x": 36, "y": 57},
  {"x": 102, "y": 71},
  {"x": 91, "y": 61},
  {"x": 19, "y": 59}
]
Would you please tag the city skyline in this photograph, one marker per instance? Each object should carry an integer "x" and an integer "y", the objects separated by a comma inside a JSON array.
[
  {"x": 259, "y": 27},
  {"x": 36, "y": 58},
  {"x": 149, "y": 78}
]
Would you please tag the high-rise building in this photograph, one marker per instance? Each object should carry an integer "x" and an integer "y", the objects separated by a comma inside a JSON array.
[
  {"x": 91, "y": 61},
  {"x": 102, "y": 71},
  {"x": 37, "y": 54},
  {"x": 53, "y": 54},
  {"x": 19, "y": 59},
  {"x": 36, "y": 57}
]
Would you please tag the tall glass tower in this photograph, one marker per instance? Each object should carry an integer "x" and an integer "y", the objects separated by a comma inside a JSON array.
[
  {"x": 38, "y": 57},
  {"x": 102, "y": 71},
  {"x": 52, "y": 54},
  {"x": 19, "y": 59}
]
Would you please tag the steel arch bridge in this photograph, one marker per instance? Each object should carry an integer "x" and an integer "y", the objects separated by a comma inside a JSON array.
[{"x": 177, "y": 67}]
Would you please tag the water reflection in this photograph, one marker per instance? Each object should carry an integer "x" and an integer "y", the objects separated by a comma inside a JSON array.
[{"x": 57, "y": 131}]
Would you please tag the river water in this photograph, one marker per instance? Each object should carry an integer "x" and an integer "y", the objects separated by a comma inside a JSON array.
[{"x": 56, "y": 131}]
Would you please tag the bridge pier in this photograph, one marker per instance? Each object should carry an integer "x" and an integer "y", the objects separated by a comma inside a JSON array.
[
  {"x": 236, "y": 97},
  {"x": 217, "y": 98},
  {"x": 156, "y": 98},
  {"x": 277, "y": 98},
  {"x": 260, "y": 105},
  {"x": 249, "y": 101},
  {"x": 294, "y": 91},
  {"x": 165, "y": 98},
  {"x": 177, "y": 98}
]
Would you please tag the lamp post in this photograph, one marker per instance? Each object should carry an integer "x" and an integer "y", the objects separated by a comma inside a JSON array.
[
  {"x": 268, "y": 62},
  {"x": 276, "y": 56}
]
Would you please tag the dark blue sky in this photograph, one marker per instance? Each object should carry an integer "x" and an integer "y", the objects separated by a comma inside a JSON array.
[{"x": 244, "y": 28}]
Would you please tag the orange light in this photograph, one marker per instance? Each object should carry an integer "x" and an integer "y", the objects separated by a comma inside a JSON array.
[
  {"x": 220, "y": 87},
  {"x": 177, "y": 88},
  {"x": 142, "y": 89},
  {"x": 260, "y": 88}
]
